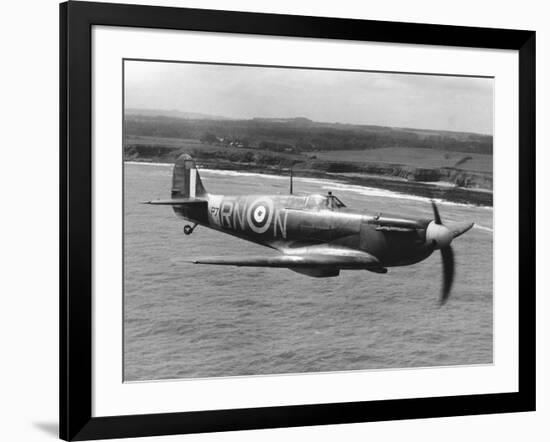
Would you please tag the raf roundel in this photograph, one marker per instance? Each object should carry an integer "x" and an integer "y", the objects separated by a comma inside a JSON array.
[{"x": 260, "y": 214}]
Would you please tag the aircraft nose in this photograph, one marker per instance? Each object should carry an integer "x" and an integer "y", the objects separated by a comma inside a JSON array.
[{"x": 439, "y": 235}]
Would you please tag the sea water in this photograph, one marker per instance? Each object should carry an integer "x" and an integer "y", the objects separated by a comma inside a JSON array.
[{"x": 187, "y": 321}]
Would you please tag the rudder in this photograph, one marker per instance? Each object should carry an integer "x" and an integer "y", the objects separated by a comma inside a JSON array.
[{"x": 186, "y": 181}]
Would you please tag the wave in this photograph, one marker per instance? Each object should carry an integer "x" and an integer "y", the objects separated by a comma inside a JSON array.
[
  {"x": 486, "y": 229},
  {"x": 383, "y": 193},
  {"x": 144, "y": 163},
  {"x": 327, "y": 184}
]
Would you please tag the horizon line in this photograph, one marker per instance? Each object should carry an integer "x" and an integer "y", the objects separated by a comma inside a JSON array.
[{"x": 215, "y": 117}]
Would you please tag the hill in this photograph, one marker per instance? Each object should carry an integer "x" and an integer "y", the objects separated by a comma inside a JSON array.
[
  {"x": 438, "y": 164},
  {"x": 300, "y": 134},
  {"x": 172, "y": 113}
]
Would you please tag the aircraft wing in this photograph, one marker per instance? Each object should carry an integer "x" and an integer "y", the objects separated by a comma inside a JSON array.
[{"x": 306, "y": 257}]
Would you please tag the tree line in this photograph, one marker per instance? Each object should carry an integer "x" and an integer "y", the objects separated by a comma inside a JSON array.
[{"x": 301, "y": 135}]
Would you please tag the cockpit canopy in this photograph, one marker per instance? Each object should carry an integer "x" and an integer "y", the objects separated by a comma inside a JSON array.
[{"x": 316, "y": 202}]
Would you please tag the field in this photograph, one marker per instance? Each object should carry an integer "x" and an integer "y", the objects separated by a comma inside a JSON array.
[
  {"x": 457, "y": 175},
  {"x": 405, "y": 156},
  {"x": 196, "y": 146},
  {"x": 162, "y": 142},
  {"x": 413, "y": 156}
]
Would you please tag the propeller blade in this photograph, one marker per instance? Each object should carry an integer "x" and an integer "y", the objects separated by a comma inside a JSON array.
[
  {"x": 448, "y": 259},
  {"x": 437, "y": 218}
]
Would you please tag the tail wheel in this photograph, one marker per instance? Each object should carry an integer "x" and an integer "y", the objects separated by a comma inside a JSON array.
[{"x": 187, "y": 229}]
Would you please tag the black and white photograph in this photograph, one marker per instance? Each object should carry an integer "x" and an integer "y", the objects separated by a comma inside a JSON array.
[
  {"x": 275, "y": 221},
  {"x": 281, "y": 220}
]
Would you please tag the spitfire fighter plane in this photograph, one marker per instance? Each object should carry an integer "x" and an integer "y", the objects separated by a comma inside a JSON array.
[{"x": 315, "y": 235}]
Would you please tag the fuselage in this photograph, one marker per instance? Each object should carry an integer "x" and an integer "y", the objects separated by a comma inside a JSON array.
[{"x": 288, "y": 221}]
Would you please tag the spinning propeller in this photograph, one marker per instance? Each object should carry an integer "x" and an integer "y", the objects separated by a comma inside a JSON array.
[{"x": 440, "y": 236}]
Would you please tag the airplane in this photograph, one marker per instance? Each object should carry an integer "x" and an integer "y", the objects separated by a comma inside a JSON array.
[{"x": 315, "y": 235}]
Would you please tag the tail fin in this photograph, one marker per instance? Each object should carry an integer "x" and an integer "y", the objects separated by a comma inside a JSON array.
[{"x": 186, "y": 181}]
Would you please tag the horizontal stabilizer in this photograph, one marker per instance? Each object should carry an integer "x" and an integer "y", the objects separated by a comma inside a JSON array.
[{"x": 177, "y": 202}]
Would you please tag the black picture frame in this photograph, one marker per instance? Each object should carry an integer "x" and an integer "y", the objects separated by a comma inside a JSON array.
[{"x": 76, "y": 21}]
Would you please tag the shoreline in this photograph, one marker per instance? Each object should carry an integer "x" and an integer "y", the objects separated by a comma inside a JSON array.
[{"x": 478, "y": 197}]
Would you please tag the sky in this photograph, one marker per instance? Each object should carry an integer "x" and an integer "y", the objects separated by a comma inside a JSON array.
[{"x": 388, "y": 99}]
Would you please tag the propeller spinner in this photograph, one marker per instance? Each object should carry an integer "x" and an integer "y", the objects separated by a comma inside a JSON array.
[{"x": 440, "y": 236}]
